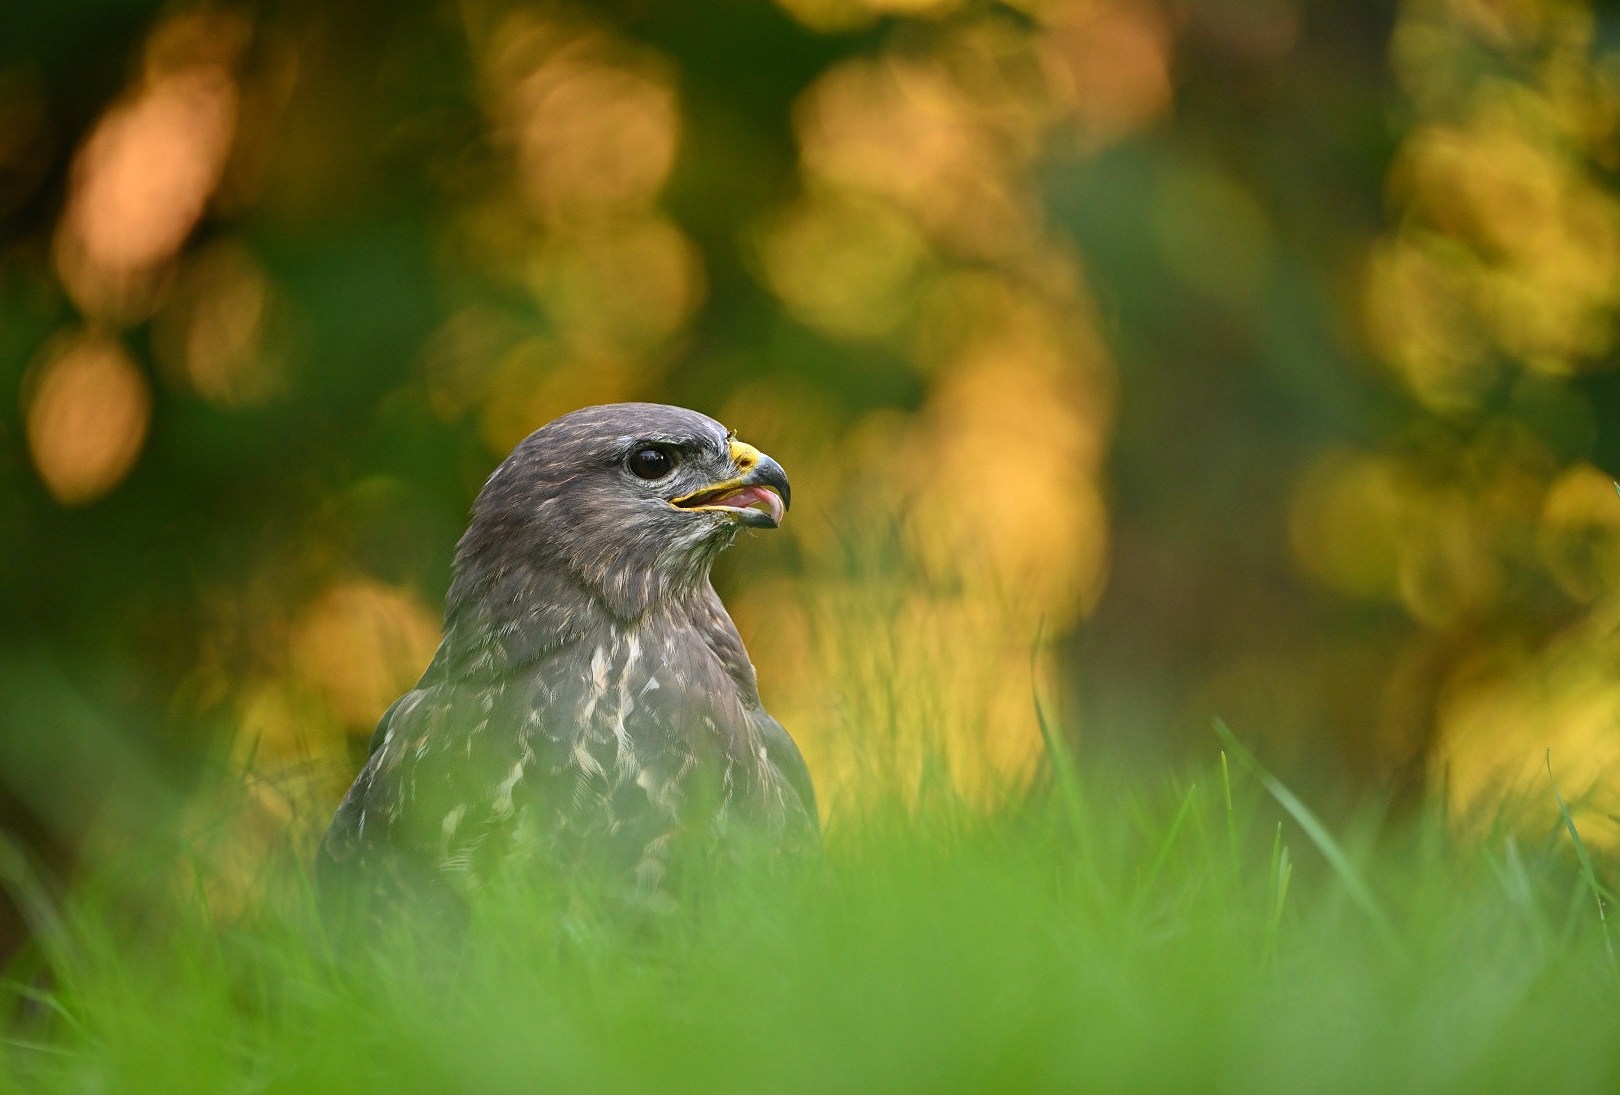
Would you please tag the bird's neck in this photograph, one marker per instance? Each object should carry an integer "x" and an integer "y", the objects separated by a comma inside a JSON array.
[{"x": 500, "y": 620}]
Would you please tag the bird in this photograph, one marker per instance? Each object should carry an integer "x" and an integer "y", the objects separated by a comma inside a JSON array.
[{"x": 590, "y": 709}]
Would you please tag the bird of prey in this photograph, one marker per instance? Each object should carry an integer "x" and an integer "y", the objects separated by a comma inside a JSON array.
[{"x": 590, "y": 707}]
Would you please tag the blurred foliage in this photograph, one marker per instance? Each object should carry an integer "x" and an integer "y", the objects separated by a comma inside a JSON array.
[{"x": 1258, "y": 350}]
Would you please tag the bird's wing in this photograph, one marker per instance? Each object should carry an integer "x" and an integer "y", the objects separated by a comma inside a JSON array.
[
  {"x": 449, "y": 763},
  {"x": 423, "y": 748},
  {"x": 363, "y": 818},
  {"x": 785, "y": 757},
  {"x": 379, "y": 734}
]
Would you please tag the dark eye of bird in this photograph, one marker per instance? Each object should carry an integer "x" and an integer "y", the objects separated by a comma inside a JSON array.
[{"x": 648, "y": 462}]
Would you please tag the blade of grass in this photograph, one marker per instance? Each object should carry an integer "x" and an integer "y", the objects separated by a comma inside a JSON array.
[
  {"x": 1064, "y": 769},
  {"x": 41, "y": 997},
  {"x": 1165, "y": 845},
  {"x": 1231, "y": 814},
  {"x": 1587, "y": 871},
  {"x": 1281, "y": 872},
  {"x": 26, "y": 885},
  {"x": 1349, "y": 877},
  {"x": 45, "y": 1048}
]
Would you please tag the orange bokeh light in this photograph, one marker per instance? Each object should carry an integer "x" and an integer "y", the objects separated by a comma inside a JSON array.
[
  {"x": 140, "y": 184},
  {"x": 87, "y": 407}
]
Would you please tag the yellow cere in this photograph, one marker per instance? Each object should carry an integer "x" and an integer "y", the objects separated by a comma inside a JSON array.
[{"x": 744, "y": 455}]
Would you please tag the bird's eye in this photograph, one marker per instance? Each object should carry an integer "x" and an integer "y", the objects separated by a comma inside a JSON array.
[{"x": 649, "y": 462}]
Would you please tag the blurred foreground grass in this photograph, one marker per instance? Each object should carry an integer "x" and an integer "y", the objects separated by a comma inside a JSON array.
[{"x": 1103, "y": 936}]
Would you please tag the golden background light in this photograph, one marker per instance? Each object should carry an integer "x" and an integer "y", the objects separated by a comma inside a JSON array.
[
  {"x": 1498, "y": 283},
  {"x": 143, "y": 178},
  {"x": 88, "y": 410},
  {"x": 904, "y": 649},
  {"x": 362, "y": 645},
  {"x": 589, "y": 126},
  {"x": 1113, "y": 321},
  {"x": 213, "y": 334}
]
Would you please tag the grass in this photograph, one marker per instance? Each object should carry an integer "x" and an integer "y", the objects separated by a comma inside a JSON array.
[{"x": 1209, "y": 933}]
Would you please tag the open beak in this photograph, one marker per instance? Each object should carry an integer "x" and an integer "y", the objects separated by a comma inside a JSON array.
[{"x": 758, "y": 497}]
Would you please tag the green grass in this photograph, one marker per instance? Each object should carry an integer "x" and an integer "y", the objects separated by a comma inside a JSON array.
[{"x": 1208, "y": 934}]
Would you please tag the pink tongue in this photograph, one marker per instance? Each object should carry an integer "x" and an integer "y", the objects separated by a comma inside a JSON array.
[{"x": 754, "y": 498}]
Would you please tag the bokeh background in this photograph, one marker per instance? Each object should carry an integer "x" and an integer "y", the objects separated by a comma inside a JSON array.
[{"x": 1238, "y": 358}]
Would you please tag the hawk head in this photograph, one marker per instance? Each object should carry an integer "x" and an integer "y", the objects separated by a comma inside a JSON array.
[{"x": 613, "y": 508}]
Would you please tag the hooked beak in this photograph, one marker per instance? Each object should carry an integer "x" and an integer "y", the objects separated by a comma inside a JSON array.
[{"x": 758, "y": 497}]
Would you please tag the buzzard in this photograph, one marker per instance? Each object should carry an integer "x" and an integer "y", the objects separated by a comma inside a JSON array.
[{"x": 590, "y": 708}]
